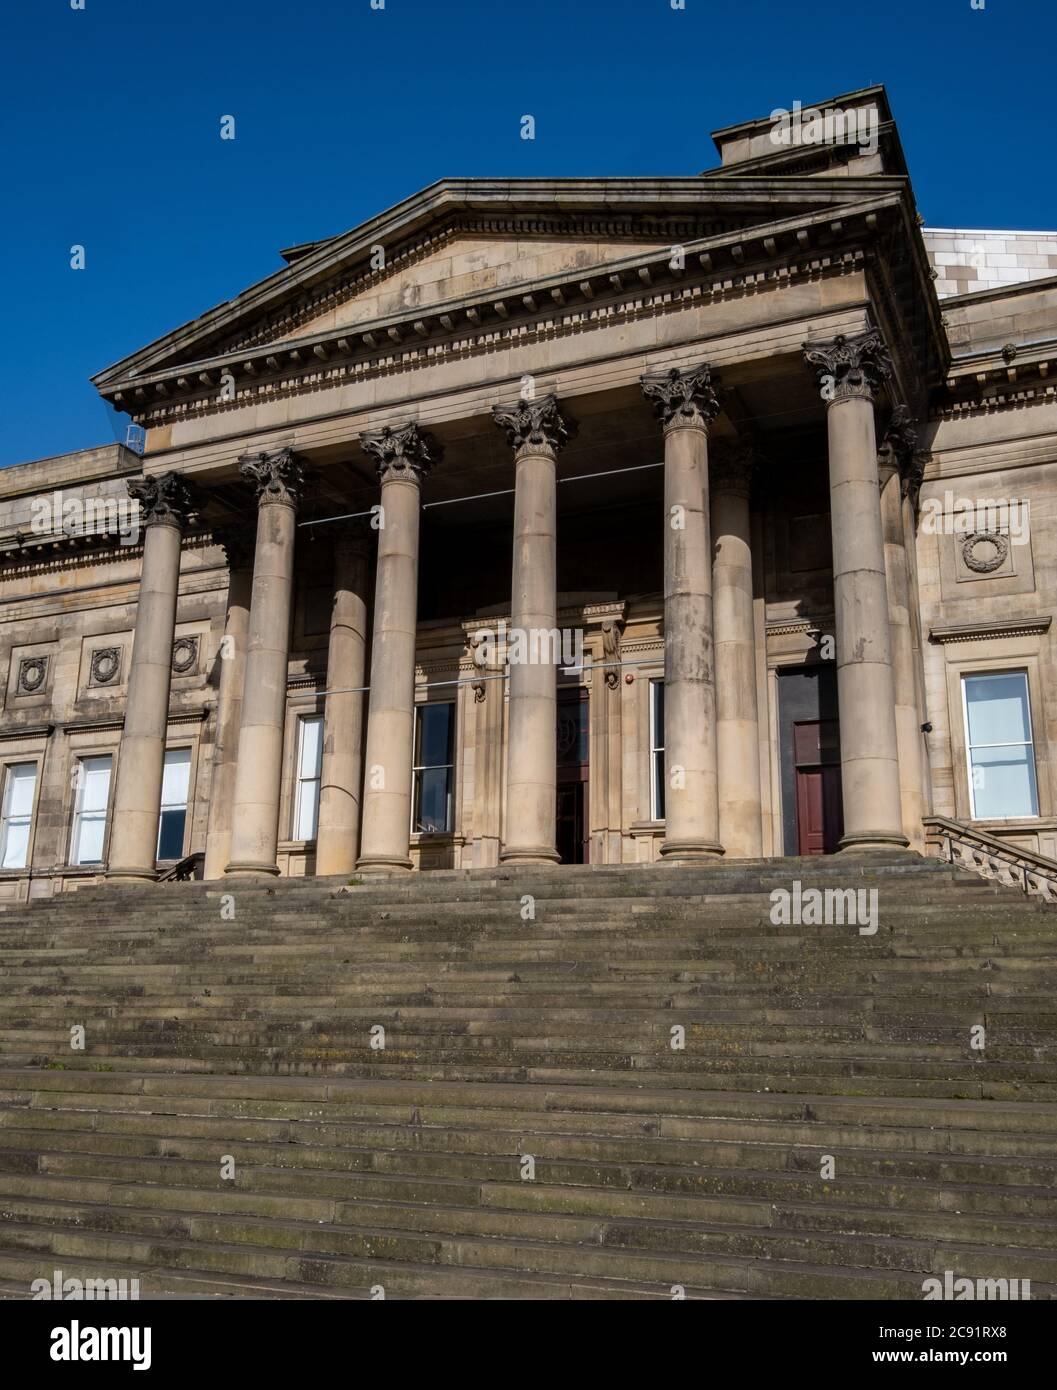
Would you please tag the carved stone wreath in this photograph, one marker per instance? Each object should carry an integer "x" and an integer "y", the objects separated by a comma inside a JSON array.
[
  {"x": 988, "y": 562},
  {"x": 184, "y": 655},
  {"x": 105, "y": 665},
  {"x": 32, "y": 673}
]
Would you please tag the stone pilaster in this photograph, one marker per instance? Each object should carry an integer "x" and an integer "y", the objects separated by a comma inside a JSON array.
[
  {"x": 238, "y": 547},
  {"x": 687, "y": 403},
  {"x": 341, "y": 780},
  {"x": 489, "y": 702},
  {"x": 896, "y": 463},
  {"x": 278, "y": 478},
  {"x": 403, "y": 455},
  {"x": 165, "y": 501},
  {"x": 737, "y": 722},
  {"x": 536, "y": 430},
  {"x": 850, "y": 372}
]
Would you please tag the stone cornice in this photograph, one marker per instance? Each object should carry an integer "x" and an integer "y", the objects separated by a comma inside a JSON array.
[
  {"x": 776, "y": 252},
  {"x": 998, "y": 627}
]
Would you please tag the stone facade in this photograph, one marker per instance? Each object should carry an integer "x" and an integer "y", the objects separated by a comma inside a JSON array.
[{"x": 737, "y": 427}]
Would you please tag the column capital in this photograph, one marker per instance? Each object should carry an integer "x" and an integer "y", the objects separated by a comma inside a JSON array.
[
  {"x": 402, "y": 451},
  {"x": 237, "y": 543},
  {"x": 895, "y": 452},
  {"x": 353, "y": 537},
  {"x": 535, "y": 426},
  {"x": 165, "y": 499},
  {"x": 279, "y": 477},
  {"x": 683, "y": 399},
  {"x": 731, "y": 466},
  {"x": 850, "y": 368}
]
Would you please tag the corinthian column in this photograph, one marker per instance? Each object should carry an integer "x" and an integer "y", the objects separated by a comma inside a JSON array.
[
  {"x": 895, "y": 464},
  {"x": 238, "y": 547},
  {"x": 165, "y": 503},
  {"x": 737, "y": 725},
  {"x": 536, "y": 431},
  {"x": 686, "y": 403},
  {"x": 850, "y": 372},
  {"x": 278, "y": 478},
  {"x": 404, "y": 456},
  {"x": 341, "y": 778}
]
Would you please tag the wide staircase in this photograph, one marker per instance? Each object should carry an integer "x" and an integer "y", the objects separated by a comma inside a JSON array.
[{"x": 570, "y": 1083}]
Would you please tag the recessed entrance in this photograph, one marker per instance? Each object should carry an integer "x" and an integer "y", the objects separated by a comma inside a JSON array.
[
  {"x": 812, "y": 810},
  {"x": 572, "y": 834}
]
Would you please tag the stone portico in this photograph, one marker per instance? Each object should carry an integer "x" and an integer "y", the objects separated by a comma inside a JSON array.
[{"x": 691, "y": 421}]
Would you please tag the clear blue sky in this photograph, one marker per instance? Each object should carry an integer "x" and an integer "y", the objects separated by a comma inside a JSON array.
[{"x": 112, "y": 135}]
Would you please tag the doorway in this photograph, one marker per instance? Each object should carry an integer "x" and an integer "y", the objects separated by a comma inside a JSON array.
[
  {"x": 809, "y": 746},
  {"x": 572, "y": 824}
]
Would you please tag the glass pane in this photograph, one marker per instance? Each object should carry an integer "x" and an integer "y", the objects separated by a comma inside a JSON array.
[
  {"x": 176, "y": 777},
  {"x": 311, "y": 748},
  {"x": 90, "y": 841},
  {"x": 998, "y": 708},
  {"x": 433, "y": 800},
  {"x": 171, "y": 834},
  {"x": 21, "y": 780},
  {"x": 658, "y": 785},
  {"x": 433, "y": 735},
  {"x": 1004, "y": 782},
  {"x": 657, "y": 687},
  {"x": 95, "y": 784},
  {"x": 307, "y": 811},
  {"x": 16, "y": 845}
]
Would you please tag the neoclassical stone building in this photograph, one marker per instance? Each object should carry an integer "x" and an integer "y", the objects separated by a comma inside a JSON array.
[{"x": 583, "y": 520}]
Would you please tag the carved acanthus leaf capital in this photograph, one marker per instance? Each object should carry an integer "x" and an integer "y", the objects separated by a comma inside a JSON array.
[
  {"x": 352, "y": 537},
  {"x": 237, "y": 542},
  {"x": 731, "y": 466},
  {"x": 898, "y": 441},
  {"x": 535, "y": 426},
  {"x": 402, "y": 451},
  {"x": 683, "y": 399},
  {"x": 165, "y": 499},
  {"x": 279, "y": 477},
  {"x": 846, "y": 368}
]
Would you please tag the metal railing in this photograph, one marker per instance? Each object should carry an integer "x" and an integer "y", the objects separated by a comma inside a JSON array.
[{"x": 968, "y": 848}]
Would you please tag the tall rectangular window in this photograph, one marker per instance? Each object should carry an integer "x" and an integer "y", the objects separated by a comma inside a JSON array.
[
  {"x": 176, "y": 781},
  {"x": 20, "y": 782},
  {"x": 434, "y": 768},
  {"x": 89, "y": 818},
  {"x": 657, "y": 749},
  {"x": 998, "y": 739},
  {"x": 309, "y": 768}
]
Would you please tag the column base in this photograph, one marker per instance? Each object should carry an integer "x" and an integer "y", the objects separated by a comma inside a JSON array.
[
  {"x": 539, "y": 854},
  {"x": 120, "y": 875},
  {"x": 251, "y": 870},
  {"x": 383, "y": 864},
  {"x": 690, "y": 851},
  {"x": 873, "y": 839}
]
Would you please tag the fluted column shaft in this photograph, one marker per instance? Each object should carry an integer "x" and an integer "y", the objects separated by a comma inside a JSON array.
[
  {"x": 229, "y": 707},
  {"x": 687, "y": 403},
  {"x": 165, "y": 503},
  {"x": 851, "y": 371},
  {"x": 737, "y": 724},
  {"x": 341, "y": 779},
  {"x": 258, "y": 780},
  {"x": 537, "y": 431},
  {"x": 403, "y": 456}
]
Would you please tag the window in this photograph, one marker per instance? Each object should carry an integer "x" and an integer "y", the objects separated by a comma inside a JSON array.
[
  {"x": 89, "y": 820},
  {"x": 309, "y": 766},
  {"x": 434, "y": 737},
  {"x": 20, "y": 782},
  {"x": 657, "y": 749},
  {"x": 176, "y": 780},
  {"x": 998, "y": 739}
]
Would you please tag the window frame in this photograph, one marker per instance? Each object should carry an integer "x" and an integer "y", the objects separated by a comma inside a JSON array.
[
  {"x": 6, "y": 819},
  {"x": 417, "y": 767},
  {"x": 657, "y": 806},
  {"x": 186, "y": 806},
  {"x": 301, "y": 782},
  {"x": 77, "y": 819},
  {"x": 1029, "y": 743}
]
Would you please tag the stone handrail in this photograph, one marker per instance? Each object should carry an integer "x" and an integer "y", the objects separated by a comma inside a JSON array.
[
  {"x": 969, "y": 848},
  {"x": 187, "y": 868}
]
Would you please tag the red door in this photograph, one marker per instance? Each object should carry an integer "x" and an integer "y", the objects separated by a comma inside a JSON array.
[{"x": 819, "y": 810}]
